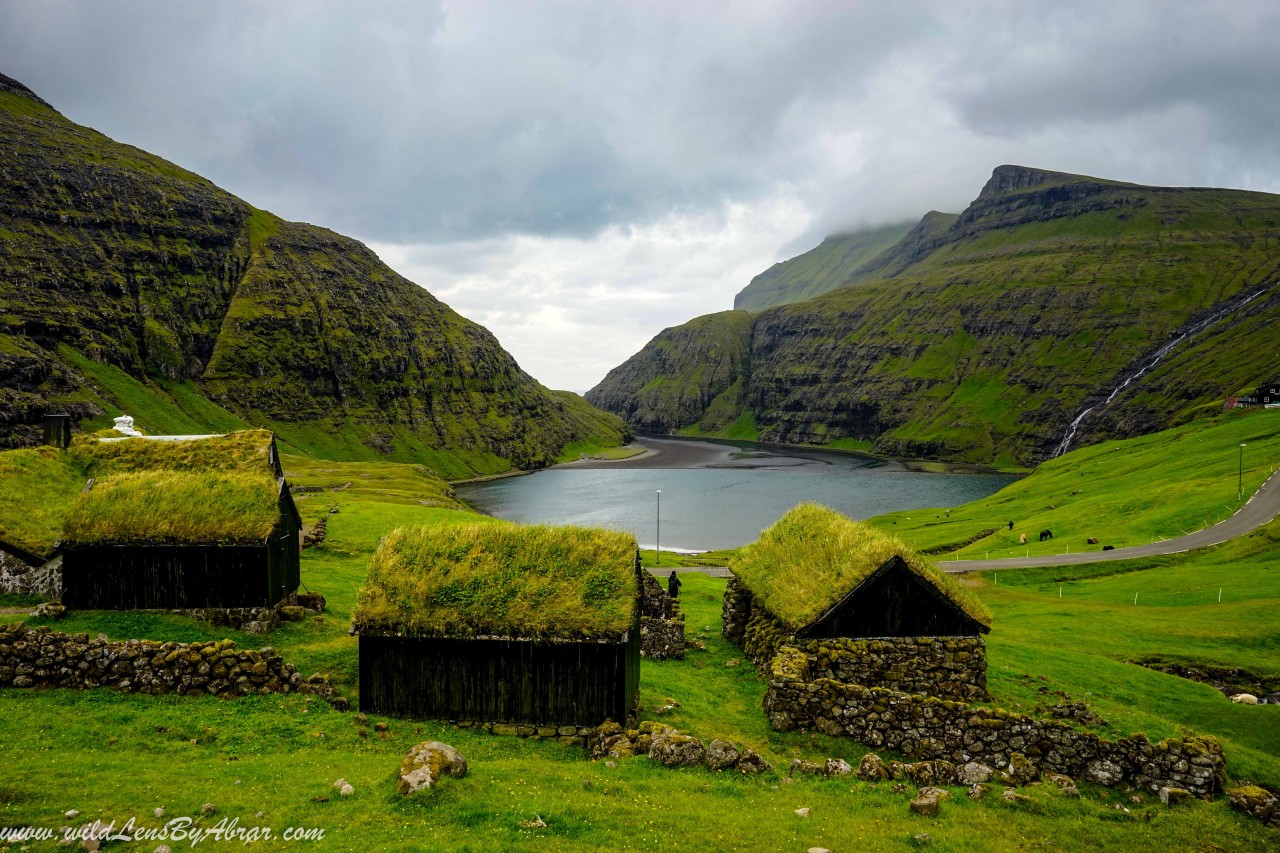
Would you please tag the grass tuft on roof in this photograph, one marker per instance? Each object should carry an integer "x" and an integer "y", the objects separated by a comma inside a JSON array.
[
  {"x": 246, "y": 450},
  {"x": 175, "y": 508},
  {"x": 500, "y": 579},
  {"x": 813, "y": 556}
]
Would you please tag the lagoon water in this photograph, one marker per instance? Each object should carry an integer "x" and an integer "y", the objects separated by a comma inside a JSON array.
[{"x": 717, "y": 495}]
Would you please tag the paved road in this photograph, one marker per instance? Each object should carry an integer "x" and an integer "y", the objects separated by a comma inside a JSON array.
[{"x": 1260, "y": 509}]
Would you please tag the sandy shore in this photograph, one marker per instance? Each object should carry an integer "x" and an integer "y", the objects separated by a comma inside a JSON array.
[{"x": 692, "y": 453}]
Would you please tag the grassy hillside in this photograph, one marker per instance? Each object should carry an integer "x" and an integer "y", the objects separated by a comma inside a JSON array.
[
  {"x": 128, "y": 284},
  {"x": 1124, "y": 492},
  {"x": 114, "y": 756},
  {"x": 980, "y": 338},
  {"x": 832, "y": 264}
]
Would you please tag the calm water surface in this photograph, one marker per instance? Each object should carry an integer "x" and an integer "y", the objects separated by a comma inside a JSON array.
[{"x": 722, "y": 495}]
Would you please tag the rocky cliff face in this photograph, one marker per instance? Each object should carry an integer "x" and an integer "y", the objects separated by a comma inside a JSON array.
[
  {"x": 117, "y": 259},
  {"x": 694, "y": 374},
  {"x": 980, "y": 337}
]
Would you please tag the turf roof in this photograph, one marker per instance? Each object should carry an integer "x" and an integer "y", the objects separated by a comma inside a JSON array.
[
  {"x": 812, "y": 557},
  {"x": 175, "y": 507},
  {"x": 500, "y": 579},
  {"x": 39, "y": 485}
]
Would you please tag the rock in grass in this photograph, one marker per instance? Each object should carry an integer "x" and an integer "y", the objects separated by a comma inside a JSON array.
[
  {"x": 208, "y": 808},
  {"x": 677, "y": 750},
  {"x": 802, "y": 812},
  {"x": 1174, "y": 796},
  {"x": 817, "y": 850},
  {"x": 925, "y": 805},
  {"x": 872, "y": 769},
  {"x": 721, "y": 755},
  {"x": 346, "y": 790},
  {"x": 931, "y": 791},
  {"x": 1014, "y": 797},
  {"x": 1022, "y": 771},
  {"x": 838, "y": 767},
  {"x": 751, "y": 762},
  {"x": 426, "y": 764},
  {"x": 799, "y": 765},
  {"x": 1256, "y": 802},
  {"x": 978, "y": 790},
  {"x": 974, "y": 773}
]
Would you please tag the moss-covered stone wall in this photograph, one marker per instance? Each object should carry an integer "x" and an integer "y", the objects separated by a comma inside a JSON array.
[
  {"x": 40, "y": 657},
  {"x": 925, "y": 727}
]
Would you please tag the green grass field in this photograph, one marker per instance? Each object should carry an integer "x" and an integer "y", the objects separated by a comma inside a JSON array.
[
  {"x": 1120, "y": 492},
  {"x": 1056, "y": 632}
]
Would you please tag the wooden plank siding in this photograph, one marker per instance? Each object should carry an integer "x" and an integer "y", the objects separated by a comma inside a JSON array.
[
  {"x": 150, "y": 577},
  {"x": 894, "y": 602},
  {"x": 537, "y": 682}
]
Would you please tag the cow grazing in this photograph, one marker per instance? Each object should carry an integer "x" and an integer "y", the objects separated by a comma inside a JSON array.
[{"x": 1046, "y": 534}]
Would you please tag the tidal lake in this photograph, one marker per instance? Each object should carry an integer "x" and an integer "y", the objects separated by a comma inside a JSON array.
[{"x": 717, "y": 495}]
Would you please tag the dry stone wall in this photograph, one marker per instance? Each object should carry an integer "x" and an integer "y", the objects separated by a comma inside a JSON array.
[
  {"x": 946, "y": 667},
  {"x": 661, "y": 622},
  {"x": 18, "y": 577},
  {"x": 40, "y": 657},
  {"x": 925, "y": 727}
]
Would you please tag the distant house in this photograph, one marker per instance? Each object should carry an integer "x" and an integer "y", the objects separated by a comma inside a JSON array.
[
  {"x": 501, "y": 623},
  {"x": 867, "y": 608},
  {"x": 1266, "y": 395},
  {"x": 181, "y": 522}
]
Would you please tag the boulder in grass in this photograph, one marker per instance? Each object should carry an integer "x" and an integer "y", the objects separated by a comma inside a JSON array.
[
  {"x": 428, "y": 763},
  {"x": 676, "y": 750},
  {"x": 926, "y": 804},
  {"x": 838, "y": 767},
  {"x": 974, "y": 773},
  {"x": 721, "y": 755},
  {"x": 1174, "y": 796},
  {"x": 1256, "y": 802},
  {"x": 1021, "y": 770},
  {"x": 872, "y": 768},
  {"x": 751, "y": 762}
]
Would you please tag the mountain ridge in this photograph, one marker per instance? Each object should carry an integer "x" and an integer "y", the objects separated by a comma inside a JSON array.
[
  {"x": 137, "y": 265},
  {"x": 978, "y": 337}
]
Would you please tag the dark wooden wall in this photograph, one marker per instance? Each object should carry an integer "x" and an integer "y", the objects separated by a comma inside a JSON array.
[
  {"x": 895, "y": 602},
  {"x": 501, "y": 681}
]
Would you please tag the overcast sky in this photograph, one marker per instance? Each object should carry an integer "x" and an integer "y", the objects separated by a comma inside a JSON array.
[{"x": 576, "y": 176}]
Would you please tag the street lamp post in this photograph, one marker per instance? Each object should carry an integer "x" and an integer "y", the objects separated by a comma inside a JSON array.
[
  {"x": 657, "y": 549},
  {"x": 1240, "y": 476}
]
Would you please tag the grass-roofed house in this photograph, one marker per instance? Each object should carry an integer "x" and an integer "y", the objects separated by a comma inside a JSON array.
[
  {"x": 498, "y": 623},
  {"x": 861, "y": 605},
  {"x": 180, "y": 522}
]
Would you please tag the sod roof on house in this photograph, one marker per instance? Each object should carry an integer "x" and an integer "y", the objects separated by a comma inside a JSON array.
[
  {"x": 813, "y": 557},
  {"x": 175, "y": 508},
  {"x": 39, "y": 485},
  {"x": 246, "y": 450},
  {"x": 500, "y": 579}
]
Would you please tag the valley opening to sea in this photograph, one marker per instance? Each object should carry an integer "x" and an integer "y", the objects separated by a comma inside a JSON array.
[{"x": 718, "y": 494}]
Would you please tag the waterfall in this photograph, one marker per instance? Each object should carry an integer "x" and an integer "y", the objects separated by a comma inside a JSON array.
[{"x": 1218, "y": 314}]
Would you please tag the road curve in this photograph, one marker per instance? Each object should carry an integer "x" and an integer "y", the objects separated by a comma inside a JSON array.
[{"x": 1257, "y": 511}]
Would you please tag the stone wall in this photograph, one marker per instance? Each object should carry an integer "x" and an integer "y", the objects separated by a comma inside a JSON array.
[
  {"x": 40, "y": 657},
  {"x": 945, "y": 667},
  {"x": 735, "y": 611},
  {"x": 924, "y": 727},
  {"x": 661, "y": 622},
  {"x": 567, "y": 735},
  {"x": 17, "y": 577}
]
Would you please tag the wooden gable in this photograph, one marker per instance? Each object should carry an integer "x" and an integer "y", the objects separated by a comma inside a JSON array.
[{"x": 894, "y": 601}]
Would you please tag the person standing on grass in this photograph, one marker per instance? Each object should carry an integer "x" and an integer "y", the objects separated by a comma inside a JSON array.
[{"x": 673, "y": 586}]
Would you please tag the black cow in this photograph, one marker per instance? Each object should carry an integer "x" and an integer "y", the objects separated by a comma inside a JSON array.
[{"x": 1046, "y": 534}]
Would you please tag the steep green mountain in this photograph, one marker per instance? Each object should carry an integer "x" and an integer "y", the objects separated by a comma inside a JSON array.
[
  {"x": 833, "y": 263},
  {"x": 128, "y": 283},
  {"x": 692, "y": 374},
  {"x": 981, "y": 338}
]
